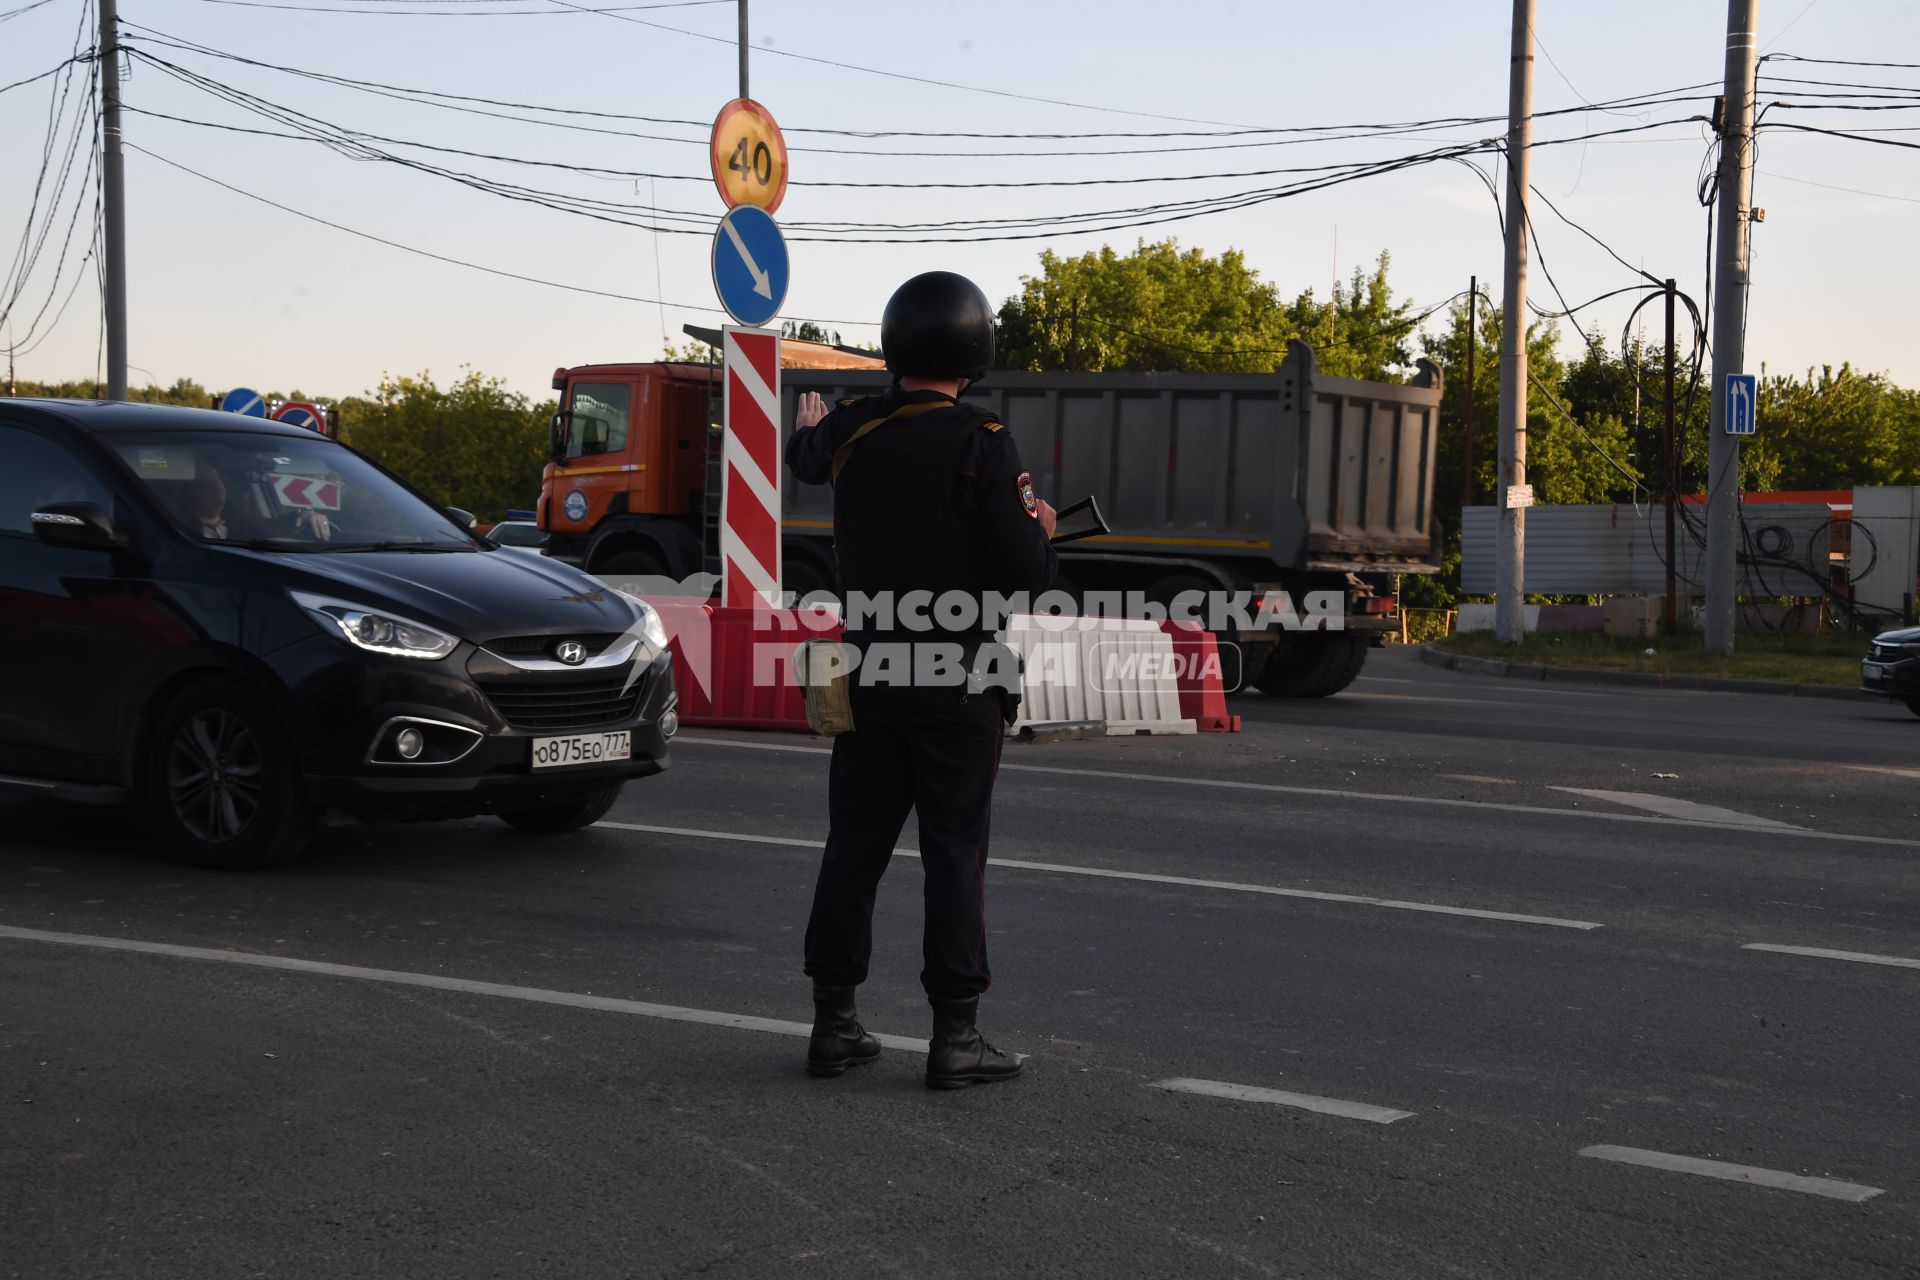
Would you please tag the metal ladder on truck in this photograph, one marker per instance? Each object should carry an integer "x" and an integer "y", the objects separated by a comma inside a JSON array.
[{"x": 715, "y": 472}]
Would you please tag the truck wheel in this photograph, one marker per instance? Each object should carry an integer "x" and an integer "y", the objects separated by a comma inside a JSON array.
[
  {"x": 1313, "y": 666},
  {"x": 569, "y": 815},
  {"x": 222, "y": 782},
  {"x": 638, "y": 564}
]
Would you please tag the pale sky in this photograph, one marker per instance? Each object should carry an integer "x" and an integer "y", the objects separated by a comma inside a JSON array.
[{"x": 231, "y": 291}]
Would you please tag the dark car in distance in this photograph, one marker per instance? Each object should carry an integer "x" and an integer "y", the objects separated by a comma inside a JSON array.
[
  {"x": 1892, "y": 667},
  {"x": 245, "y": 627}
]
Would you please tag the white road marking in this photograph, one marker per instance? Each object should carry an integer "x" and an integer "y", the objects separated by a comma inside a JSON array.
[
  {"x": 1281, "y": 1098},
  {"x": 1759, "y": 1177},
  {"x": 1146, "y": 877},
  {"x": 440, "y": 982},
  {"x": 1884, "y": 768},
  {"x": 1475, "y": 777},
  {"x": 1823, "y": 953},
  {"x": 1332, "y": 793},
  {"x": 1675, "y": 807}
]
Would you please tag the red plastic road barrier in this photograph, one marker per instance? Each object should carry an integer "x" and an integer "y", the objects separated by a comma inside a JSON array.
[
  {"x": 746, "y": 680},
  {"x": 1203, "y": 697}
]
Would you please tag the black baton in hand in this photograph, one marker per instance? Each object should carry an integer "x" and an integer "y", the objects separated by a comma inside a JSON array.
[{"x": 1098, "y": 527}]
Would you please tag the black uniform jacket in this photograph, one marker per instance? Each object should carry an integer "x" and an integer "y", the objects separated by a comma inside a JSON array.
[{"x": 935, "y": 502}]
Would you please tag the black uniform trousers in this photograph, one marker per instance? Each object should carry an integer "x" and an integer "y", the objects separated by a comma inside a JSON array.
[{"x": 934, "y": 750}]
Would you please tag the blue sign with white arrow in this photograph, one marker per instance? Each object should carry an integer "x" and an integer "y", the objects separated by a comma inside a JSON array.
[
  {"x": 1743, "y": 393},
  {"x": 241, "y": 400},
  {"x": 750, "y": 266}
]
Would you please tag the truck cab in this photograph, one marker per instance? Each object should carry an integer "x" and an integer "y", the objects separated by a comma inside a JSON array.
[{"x": 624, "y": 489}]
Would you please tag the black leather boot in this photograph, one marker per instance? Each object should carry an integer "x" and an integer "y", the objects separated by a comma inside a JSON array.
[
  {"x": 959, "y": 1055},
  {"x": 839, "y": 1041}
]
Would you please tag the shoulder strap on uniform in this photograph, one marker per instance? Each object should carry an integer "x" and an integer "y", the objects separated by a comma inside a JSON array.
[{"x": 845, "y": 452}]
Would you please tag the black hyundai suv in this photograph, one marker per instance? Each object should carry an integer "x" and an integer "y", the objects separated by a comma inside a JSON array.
[{"x": 245, "y": 626}]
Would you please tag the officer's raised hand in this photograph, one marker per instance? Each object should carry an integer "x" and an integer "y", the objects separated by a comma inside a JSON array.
[{"x": 809, "y": 410}]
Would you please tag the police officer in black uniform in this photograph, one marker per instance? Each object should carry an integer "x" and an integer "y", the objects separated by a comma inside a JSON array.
[{"x": 933, "y": 499}]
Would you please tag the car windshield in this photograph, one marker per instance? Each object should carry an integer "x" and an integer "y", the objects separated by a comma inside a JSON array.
[
  {"x": 517, "y": 534},
  {"x": 287, "y": 493}
]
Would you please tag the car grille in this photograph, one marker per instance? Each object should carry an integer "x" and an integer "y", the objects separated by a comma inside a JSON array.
[
  {"x": 542, "y": 646},
  {"x": 1888, "y": 653},
  {"x": 602, "y": 698}
]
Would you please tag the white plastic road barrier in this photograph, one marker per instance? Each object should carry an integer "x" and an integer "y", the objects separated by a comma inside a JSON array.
[{"x": 1121, "y": 671}]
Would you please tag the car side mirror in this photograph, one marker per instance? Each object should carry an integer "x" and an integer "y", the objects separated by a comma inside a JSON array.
[
  {"x": 464, "y": 519},
  {"x": 75, "y": 524}
]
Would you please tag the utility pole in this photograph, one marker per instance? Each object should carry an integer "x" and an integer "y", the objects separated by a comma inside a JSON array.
[
  {"x": 1729, "y": 322},
  {"x": 1672, "y": 473},
  {"x": 743, "y": 49},
  {"x": 1510, "y": 550},
  {"x": 113, "y": 198},
  {"x": 1473, "y": 347}
]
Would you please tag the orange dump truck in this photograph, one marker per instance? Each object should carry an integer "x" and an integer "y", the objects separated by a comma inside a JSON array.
[{"x": 1290, "y": 483}]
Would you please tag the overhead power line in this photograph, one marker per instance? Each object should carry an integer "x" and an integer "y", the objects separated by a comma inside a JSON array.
[
  {"x": 1334, "y": 132},
  {"x": 1839, "y": 62},
  {"x": 25, "y": 8},
  {"x": 456, "y": 13},
  {"x": 1842, "y": 133},
  {"x": 441, "y": 257}
]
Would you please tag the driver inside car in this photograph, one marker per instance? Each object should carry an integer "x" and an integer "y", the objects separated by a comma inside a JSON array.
[{"x": 206, "y": 502}]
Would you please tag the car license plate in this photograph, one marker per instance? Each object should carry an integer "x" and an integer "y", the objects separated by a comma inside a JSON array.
[
  {"x": 582, "y": 748},
  {"x": 1870, "y": 672}
]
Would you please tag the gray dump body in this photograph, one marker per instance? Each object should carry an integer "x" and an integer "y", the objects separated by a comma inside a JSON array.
[{"x": 1306, "y": 471}]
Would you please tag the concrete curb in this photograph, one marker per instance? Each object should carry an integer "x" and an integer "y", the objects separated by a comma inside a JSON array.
[{"x": 1437, "y": 657}]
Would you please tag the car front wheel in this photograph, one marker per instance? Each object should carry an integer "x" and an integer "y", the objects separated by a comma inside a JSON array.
[
  {"x": 222, "y": 782},
  {"x": 569, "y": 815}
]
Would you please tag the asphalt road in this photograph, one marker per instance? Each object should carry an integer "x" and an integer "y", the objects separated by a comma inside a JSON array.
[{"x": 1473, "y": 963}]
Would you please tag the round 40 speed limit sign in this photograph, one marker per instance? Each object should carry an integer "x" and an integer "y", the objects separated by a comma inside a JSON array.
[{"x": 749, "y": 156}]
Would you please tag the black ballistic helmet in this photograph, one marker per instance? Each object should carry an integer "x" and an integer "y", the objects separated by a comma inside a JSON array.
[{"x": 938, "y": 325}]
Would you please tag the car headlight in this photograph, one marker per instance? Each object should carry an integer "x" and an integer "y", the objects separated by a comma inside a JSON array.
[
  {"x": 375, "y": 631},
  {"x": 652, "y": 629}
]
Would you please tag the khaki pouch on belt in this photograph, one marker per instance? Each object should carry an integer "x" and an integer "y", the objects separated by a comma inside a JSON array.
[{"x": 825, "y": 671}]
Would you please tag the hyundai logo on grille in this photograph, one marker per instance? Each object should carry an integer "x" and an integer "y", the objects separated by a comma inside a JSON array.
[{"x": 571, "y": 652}]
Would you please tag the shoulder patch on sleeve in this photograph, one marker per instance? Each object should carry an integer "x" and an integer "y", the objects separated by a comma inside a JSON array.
[
  {"x": 1024, "y": 483},
  {"x": 845, "y": 403},
  {"x": 991, "y": 425}
]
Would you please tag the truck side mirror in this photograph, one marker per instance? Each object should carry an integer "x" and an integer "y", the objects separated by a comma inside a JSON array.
[
  {"x": 557, "y": 434},
  {"x": 75, "y": 524}
]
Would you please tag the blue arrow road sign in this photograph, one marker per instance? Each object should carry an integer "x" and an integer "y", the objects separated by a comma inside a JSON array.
[
  {"x": 1743, "y": 391},
  {"x": 750, "y": 265},
  {"x": 300, "y": 418},
  {"x": 241, "y": 400}
]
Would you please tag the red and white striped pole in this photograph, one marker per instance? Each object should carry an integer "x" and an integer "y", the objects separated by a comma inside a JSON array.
[{"x": 750, "y": 458}]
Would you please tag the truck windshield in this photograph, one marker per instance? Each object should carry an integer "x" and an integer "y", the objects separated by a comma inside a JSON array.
[
  {"x": 289, "y": 493},
  {"x": 599, "y": 422}
]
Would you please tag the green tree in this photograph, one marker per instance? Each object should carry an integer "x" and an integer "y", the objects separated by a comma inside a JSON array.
[
  {"x": 808, "y": 331},
  {"x": 1362, "y": 332},
  {"x": 474, "y": 444},
  {"x": 1833, "y": 430},
  {"x": 1158, "y": 308},
  {"x": 1164, "y": 308}
]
